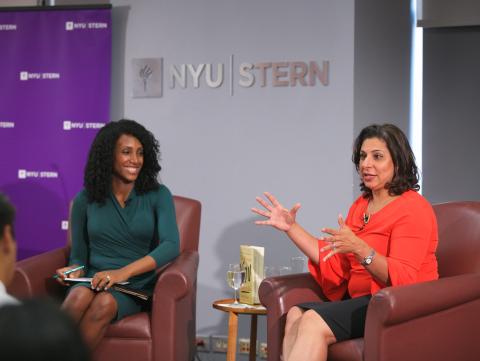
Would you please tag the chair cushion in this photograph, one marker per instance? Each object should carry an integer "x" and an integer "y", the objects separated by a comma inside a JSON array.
[
  {"x": 351, "y": 350},
  {"x": 134, "y": 326}
]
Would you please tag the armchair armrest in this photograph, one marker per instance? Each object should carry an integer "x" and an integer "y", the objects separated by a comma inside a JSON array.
[
  {"x": 33, "y": 276},
  {"x": 177, "y": 277},
  {"x": 278, "y": 295},
  {"x": 173, "y": 308},
  {"x": 436, "y": 320}
]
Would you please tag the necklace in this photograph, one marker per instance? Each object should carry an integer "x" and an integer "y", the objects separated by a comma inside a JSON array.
[{"x": 366, "y": 218}]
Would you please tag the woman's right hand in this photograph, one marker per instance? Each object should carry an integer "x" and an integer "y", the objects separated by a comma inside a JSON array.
[
  {"x": 278, "y": 216},
  {"x": 61, "y": 274}
]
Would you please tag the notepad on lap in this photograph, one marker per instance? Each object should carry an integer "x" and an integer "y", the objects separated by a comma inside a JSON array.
[{"x": 88, "y": 279}]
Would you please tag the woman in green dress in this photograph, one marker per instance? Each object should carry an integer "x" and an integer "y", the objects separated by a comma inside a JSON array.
[{"x": 123, "y": 227}]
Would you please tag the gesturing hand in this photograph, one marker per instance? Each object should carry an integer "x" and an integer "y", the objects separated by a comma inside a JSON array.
[
  {"x": 342, "y": 240},
  {"x": 278, "y": 216}
]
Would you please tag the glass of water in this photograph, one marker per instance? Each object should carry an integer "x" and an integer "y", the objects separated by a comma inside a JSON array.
[
  {"x": 235, "y": 278},
  {"x": 299, "y": 264}
]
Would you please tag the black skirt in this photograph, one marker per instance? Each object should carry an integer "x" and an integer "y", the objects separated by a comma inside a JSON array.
[{"x": 345, "y": 318}]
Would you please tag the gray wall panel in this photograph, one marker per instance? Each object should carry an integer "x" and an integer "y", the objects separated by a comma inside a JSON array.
[
  {"x": 451, "y": 114},
  {"x": 382, "y": 64}
]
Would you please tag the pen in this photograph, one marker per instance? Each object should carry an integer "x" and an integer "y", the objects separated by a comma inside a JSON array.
[{"x": 70, "y": 271}]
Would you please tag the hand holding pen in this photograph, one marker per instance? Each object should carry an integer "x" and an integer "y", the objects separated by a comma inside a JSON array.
[{"x": 70, "y": 271}]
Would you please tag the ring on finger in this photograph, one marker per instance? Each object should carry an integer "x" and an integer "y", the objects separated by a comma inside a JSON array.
[
  {"x": 334, "y": 245},
  {"x": 108, "y": 278}
]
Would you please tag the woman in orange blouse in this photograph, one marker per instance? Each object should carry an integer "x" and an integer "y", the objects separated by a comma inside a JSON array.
[{"x": 389, "y": 238}]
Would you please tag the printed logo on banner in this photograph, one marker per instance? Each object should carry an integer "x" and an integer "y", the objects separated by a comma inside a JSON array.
[
  {"x": 7, "y": 125},
  {"x": 70, "y": 26},
  {"x": 50, "y": 27},
  {"x": 24, "y": 174},
  {"x": 69, "y": 125},
  {"x": 8, "y": 27},
  {"x": 64, "y": 225},
  {"x": 25, "y": 75}
]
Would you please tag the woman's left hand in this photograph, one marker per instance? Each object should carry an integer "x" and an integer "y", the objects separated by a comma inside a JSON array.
[
  {"x": 341, "y": 240},
  {"x": 106, "y": 279}
]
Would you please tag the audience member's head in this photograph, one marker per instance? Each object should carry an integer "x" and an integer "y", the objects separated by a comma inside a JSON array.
[
  {"x": 8, "y": 246},
  {"x": 38, "y": 330}
]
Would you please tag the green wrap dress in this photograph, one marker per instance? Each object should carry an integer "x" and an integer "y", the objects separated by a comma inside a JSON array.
[{"x": 108, "y": 237}]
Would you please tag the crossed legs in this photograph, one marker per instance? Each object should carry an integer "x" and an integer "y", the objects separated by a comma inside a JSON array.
[
  {"x": 93, "y": 311},
  {"x": 307, "y": 336}
]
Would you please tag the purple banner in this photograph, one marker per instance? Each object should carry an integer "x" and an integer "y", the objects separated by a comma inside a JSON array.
[{"x": 54, "y": 96}]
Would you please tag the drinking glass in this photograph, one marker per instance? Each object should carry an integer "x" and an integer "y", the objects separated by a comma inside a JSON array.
[
  {"x": 299, "y": 264},
  {"x": 235, "y": 278},
  {"x": 285, "y": 270},
  {"x": 270, "y": 271}
]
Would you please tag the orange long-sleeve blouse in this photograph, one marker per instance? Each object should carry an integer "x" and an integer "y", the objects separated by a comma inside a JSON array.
[{"x": 404, "y": 231}]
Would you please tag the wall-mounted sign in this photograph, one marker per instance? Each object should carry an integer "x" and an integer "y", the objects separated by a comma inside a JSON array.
[{"x": 148, "y": 77}]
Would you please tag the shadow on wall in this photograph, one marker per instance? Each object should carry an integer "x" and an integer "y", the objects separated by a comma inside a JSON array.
[
  {"x": 278, "y": 247},
  {"x": 38, "y": 220},
  {"x": 205, "y": 297}
]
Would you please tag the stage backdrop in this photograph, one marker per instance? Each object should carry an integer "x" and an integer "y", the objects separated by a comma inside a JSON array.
[{"x": 55, "y": 94}]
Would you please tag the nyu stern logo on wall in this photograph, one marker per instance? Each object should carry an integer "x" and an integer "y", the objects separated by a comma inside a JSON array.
[
  {"x": 275, "y": 74},
  {"x": 71, "y": 25},
  {"x": 246, "y": 75}
]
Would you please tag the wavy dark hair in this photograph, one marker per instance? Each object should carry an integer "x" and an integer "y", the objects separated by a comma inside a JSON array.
[
  {"x": 99, "y": 168},
  {"x": 405, "y": 174}
]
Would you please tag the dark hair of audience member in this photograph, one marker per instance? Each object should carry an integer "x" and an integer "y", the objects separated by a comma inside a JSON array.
[
  {"x": 37, "y": 330},
  {"x": 7, "y": 214}
]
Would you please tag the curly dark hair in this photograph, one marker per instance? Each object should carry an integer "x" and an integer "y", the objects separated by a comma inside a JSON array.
[
  {"x": 405, "y": 175},
  {"x": 99, "y": 168}
]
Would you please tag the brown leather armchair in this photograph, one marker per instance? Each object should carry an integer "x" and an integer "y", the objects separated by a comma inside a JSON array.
[
  {"x": 167, "y": 333},
  {"x": 437, "y": 320}
]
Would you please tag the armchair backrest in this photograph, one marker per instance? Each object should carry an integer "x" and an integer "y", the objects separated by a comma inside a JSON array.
[
  {"x": 458, "y": 249},
  {"x": 188, "y": 213},
  {"x": 188, "y": 220}
]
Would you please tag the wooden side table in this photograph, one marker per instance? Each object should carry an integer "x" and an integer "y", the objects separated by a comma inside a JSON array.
[{"x": 233, "y": 312}]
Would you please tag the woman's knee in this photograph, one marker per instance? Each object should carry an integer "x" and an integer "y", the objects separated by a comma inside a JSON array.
[
  {"x": 312, "y": 323},
  {"x": 293, "y": 315},
  {"x": 78, "y": 300},
  {"x": 103, "y": 307}
]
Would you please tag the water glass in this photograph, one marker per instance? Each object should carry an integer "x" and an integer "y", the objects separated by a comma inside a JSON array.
[
  {"x": 284, "y": 270},
  {"x": 299, "y": 264},
  {"x": 271, "y": 271},
  {"x": 235, "y": 278}
]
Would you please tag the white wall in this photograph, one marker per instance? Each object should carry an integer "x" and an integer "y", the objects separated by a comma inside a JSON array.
[{"x": 224, "y": 150}]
